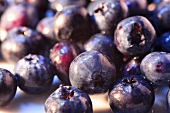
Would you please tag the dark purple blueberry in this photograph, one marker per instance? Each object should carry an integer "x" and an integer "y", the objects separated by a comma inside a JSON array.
[
  {"x": 161, "y": 17},
  {"x": 8, "y": 86},
  {"x": 168, "y": 101},
  {"x": 72, "y": 24},
  {"x": 132, "y": 67},
  {"x": 45, "y": 27},
  {"x": 20, "y": 42},
  {"x": 105, "y": 44},
  {"x": 163, "y": 43},
  {"x": 67, "y": 99},
  {"x": 134, "y": 36},
  {"x": 131, "y": 94},
  {"x": 34, "y": 73},
  {"x": 107, "y": 14},
  {"x": 137, "y": 7},
  {"x": 19, "y": 14},
  {"x": 92, "y": 72},
  {"x": 3, "y": 6},
  {"x": 62, "y": 54},
  {"x": 155, "y": 66},
  {"x": 59, "y": 5},
  {"x": 41, "y": 5}
]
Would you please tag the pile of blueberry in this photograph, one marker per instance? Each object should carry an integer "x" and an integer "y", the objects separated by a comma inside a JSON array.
[{"x": 94, "y": 46}]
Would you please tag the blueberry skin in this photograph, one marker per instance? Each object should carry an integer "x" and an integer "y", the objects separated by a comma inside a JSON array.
[
  {"x": 19, "y": 14},
  {"x": 62, "y": 54},
  {"x": 134, "y": 36},
  {"x": 67, "y": 99},
  {"x": 161, "y": 17},
  {"x": 105, "y": 44},
  {"x": 73, "y": 24},
  {"x": 132, "y": 67},
  {"x": 155, "y": 66},
  {"x": 137, "y": 7},
  {"x": 59, "y": 5},
  {"x": 20, "y": 42},
  {"x": 92, "y": 72},
  {"x": 34, "y": 73},
  {"x": 163, "y": 43},
  {"x": 8, "y": 86},
  {"x": 44, "y": 26},
  {"x": 168, "y": 101},
  {"x": 41, "y": 5},
  {"x": 3, "y": 5},
  {"x": 131, "y": 94},
  {"x": 108, "y": 13}
]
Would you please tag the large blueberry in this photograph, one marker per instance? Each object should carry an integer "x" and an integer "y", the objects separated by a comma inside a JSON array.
[
  {"x": 92, "y": 72},
  {"x": 131, "y": 94},
  {"x": 108, "y": 13},
  {"x": 134, "y": 35},
  {"x": 20, "y": 42},
  {"x": 67, "y": 99},
  {"x": 34, "y": 73},
  {"x": 155, "y": 66},
  {"x": 8, "y": 86},
  {"x": 72, "y": 23}
]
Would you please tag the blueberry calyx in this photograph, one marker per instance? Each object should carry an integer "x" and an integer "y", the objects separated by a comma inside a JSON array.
[
  {"x": 136, "y": 34},
  {"x": 66, "y": 92},
  {"x": 129, "y": 82}
]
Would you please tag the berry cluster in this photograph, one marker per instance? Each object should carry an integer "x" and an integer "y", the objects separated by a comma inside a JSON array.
[{"x": 119, "y": 47}]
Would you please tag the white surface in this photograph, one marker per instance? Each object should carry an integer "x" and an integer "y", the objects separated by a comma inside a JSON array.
[{"x": 24, "y": 103}]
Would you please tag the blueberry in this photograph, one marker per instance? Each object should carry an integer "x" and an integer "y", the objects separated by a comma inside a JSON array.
[
  {"x": 19, "y": 14},
  {"x": 105, "y": 44},
  {"x": 62, "y": 54},
  {"x": 45, "y": 27},
  {"x": 131, "y": 94},
  {"x": 107, "y": 14},
  {"x": 8, "y": 86},
  {"x": 73, "y": 24},
  {"x": 161, "y": 17},
  {"x": 20, "y": 42},
  {"x": 163, "y": 43},
  {"x": 134, "y": 36},
  {"x": 34, "y": 73},
  {"x": 155, "y": 66},
  {"x": 67, "y": 99},
  {"x": 92, "y": 72}
]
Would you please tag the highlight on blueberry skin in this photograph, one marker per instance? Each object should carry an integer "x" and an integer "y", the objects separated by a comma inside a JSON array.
[
  {"x": 8, "y": 86},
  {"x": 131, "y": 94},
  {"x": 155, "y": 67},
  {"x": 34, "y": 73},
  {"x": 67, "y": 99},
  {"x": 134, "y": 36},
  {"x": 92, "y": 72}
]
